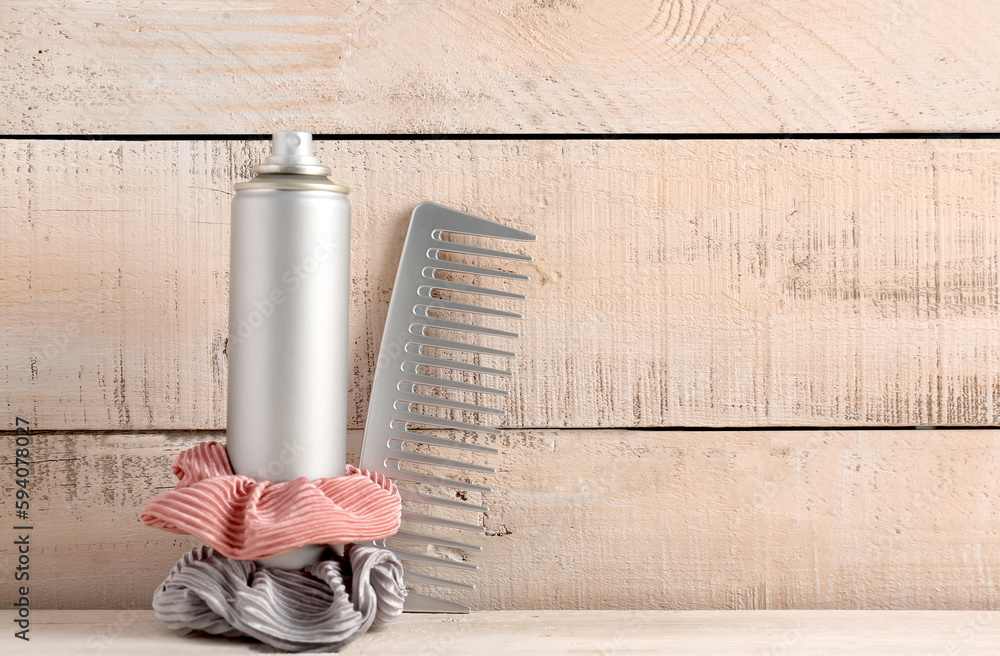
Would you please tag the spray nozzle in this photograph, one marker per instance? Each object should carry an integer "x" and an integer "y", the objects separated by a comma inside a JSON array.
[{"x": 292, "y": 152}]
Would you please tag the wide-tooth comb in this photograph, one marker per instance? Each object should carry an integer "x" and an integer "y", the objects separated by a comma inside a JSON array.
[{"x": 394, "y": 391}]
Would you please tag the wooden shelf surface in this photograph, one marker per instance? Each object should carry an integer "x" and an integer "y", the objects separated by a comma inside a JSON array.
[{"x": 733, "y": 633}]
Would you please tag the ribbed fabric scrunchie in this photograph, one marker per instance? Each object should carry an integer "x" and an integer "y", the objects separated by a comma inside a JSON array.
[
  {"x": 219, "y": 589},
  {"x": 246, "y": 519},
  {"x": 293, "y": 610}
]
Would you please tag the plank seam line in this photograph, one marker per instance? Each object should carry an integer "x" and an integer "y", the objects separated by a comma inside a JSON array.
[
  {"x": 635, "y": 429},
  {"x": 519, "y": 136}
]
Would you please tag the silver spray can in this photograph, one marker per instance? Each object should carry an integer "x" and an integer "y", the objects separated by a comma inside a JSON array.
[{"x": 289, "y": 281}]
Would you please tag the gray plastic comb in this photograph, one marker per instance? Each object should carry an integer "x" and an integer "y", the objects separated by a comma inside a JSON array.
[{"x": 391, "y": 412}]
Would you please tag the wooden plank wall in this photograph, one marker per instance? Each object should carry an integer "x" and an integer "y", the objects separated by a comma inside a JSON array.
[
  {"x": 690, "y": 298},
  {"x": 125, "y": 66},
  {"x": 613, "y": 519},
  {"x": 677, "y": 283}
]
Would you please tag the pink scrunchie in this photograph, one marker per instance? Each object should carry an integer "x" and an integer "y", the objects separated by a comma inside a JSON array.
[{"x": 245, "y": 519}]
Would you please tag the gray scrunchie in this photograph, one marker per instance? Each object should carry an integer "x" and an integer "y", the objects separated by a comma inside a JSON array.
[{"x": 294, "y": 610}]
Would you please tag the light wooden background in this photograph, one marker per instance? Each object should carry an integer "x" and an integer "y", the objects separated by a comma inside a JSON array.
[
  {"x": 375, "y": 66},
  {"x": 724, "y": 289}
]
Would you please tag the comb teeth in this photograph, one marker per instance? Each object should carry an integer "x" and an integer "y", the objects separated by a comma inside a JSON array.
[
  {"x": 391, "y": 468},
  {"x": 431, "y": 500},
  {"x": 400, "y": 455},
  {"x": 435, "y": 381},
  {"x": 456, "y": 267},
  {"x": 409, "y": 536},
  {"x": 422, "y": 323},
  {"x": 436, "y": 342},
  {"x": 426, "y": 399},
  {"x": 464, "y": 249},
  {"x": 440, "y": 422},
  {"x": 395, "y": 399},
  {"x": 451, "y": 285},
  {"x": 433, "y": 580},
  {"x": 421, "y": 518},
  {"x": 433, "y": 440},
  {"x": 441, "y": 304},
  {"x": 409, "y": 556},
  {"x": 443, "y": 363}
]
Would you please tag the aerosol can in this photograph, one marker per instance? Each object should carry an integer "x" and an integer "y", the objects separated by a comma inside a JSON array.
[{"x": 289, "y": 281}]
